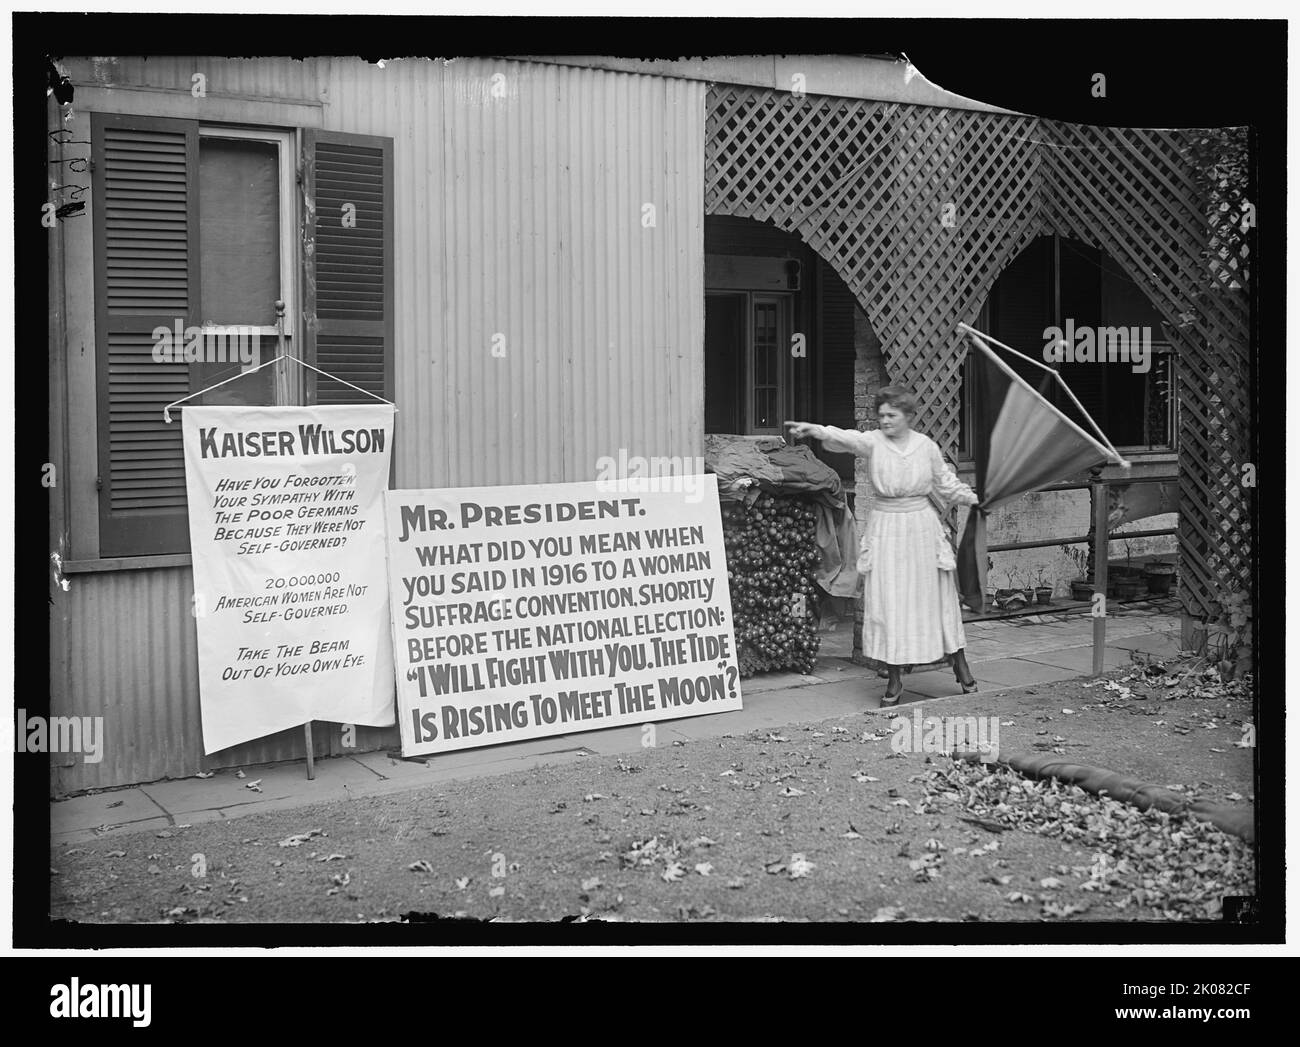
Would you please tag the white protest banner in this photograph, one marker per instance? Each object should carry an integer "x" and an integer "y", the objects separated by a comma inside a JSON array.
[
  {"x": 547, "y": 609},
  {"x": 287, "y": 540}
]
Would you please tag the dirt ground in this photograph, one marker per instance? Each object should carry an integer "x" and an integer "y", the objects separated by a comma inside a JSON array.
[{"x": 820, "y": 822}]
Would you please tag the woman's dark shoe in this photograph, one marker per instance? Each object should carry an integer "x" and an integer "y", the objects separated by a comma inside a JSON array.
[
  {"x": 963, "y": 674},
  {"x": 893, "y": 691}
]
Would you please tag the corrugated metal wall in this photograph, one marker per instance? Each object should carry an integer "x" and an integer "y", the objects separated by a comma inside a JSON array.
[{"x": 520, "y": 203}]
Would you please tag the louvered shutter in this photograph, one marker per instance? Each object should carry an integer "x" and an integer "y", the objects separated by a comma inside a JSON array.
[
  {"x": 348, "y": 264},
  {"x": 146, "y": 275}
]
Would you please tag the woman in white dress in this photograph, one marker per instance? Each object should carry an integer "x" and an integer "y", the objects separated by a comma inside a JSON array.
[{"x": 911, "y": 614}]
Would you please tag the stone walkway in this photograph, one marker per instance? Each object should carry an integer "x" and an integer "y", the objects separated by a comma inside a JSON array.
[{"x": 1003, "y": 655}]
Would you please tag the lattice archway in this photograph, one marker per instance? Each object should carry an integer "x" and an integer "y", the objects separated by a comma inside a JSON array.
[{"x": 919, "y": 209}]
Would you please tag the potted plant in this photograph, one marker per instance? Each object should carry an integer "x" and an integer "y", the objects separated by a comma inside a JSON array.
[
  {"x": 1081, "y": 587},
  {"x": 1042, "y": 590},
  {"x": 1012, "y": 596},
  {"x": 1159, "y": 577}
]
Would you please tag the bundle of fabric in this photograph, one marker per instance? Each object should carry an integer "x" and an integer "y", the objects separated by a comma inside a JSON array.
[{"x": 744, "y": 471}]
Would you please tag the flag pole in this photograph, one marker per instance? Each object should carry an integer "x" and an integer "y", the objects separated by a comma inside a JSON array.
[{"x": 979, "y": 336}]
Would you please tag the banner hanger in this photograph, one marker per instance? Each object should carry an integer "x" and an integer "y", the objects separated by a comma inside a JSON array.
[
  {"x": 979, "y": 336},
  {"x": 167, "y": 416}
]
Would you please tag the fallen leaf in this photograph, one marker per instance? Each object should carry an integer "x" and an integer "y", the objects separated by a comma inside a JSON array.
[
  {"x": 462, "y": 883},
  {"x": 496, "y": 892},
  {"x": 800, "y": 866},
  {"x": 704, "y": 868},
  {"x": 860, "y": 777},
  {"x": 420, "y": 866},
  {"x": 591, "y": 884},
  {"x": 256, "y": 786},
  {"x": 205, "y": 774},
  {"x": 790, "y": 791},
  {"x": 673, "y": 872},
  {"x": 299, "y": 839}
]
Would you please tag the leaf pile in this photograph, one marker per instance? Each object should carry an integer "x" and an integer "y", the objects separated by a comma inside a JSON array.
[{"x": 1179, "y": 866}]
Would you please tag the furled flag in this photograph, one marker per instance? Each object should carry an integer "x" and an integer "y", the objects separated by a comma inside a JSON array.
[{"x": 1022, "y": 444}]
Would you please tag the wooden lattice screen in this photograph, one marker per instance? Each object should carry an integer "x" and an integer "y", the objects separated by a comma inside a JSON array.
[{"x": 919, "y": 209}]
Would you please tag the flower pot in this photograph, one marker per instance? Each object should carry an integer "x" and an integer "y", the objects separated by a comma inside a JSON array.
[
  {"x": 1043, "y": 593},
  {"x": 1129, "y": 588},
  {"x": 1010, "y": 599},
  {"x": 1159, "y": 577},
  {"x": 1081, "y": 589}
]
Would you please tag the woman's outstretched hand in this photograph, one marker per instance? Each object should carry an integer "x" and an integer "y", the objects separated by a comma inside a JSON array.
[{"x": 799, "y": 430}]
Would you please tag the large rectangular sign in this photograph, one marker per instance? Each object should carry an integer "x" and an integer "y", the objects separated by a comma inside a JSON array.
[
  {"x": 547, "y": 609},
  {"x": 287, "y": 538}
]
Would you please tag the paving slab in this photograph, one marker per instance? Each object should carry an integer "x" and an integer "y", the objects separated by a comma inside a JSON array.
[
  {"x": 158, "y": 824},
  {"x": 1078, "y": 660},
  {"x": 183, "y": 796},
  {"x": 1019, "y": 672},
  {"x": 774, "y": 682},
  {"x": 831, "y": 670},
  {"x": 387, "y": 765},
  {"x": 1161, "y": 645},
  {"x": 119, "y": 807}
]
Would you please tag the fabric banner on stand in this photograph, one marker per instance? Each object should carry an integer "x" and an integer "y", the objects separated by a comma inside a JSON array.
[
  {"x": 1022, "y": 444},
  {"x": 288, "y": 543}
]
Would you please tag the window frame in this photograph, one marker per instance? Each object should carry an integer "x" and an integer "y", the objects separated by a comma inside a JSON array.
[
  {"x": 112, "y": 542},
  {"x": 783, "y": 301},
  {"x": 286, "y": 143},
  {"x": 1160, "y": 349}
]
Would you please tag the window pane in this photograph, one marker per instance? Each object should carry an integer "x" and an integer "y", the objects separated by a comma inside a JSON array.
[
  {"x": 765, "y": 364},
  {"x": 239, "y": 231},
  {"x": 225, "y": 356}
]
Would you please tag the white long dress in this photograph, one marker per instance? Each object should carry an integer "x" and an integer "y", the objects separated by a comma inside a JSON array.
[{"x": 911, "y": 613}]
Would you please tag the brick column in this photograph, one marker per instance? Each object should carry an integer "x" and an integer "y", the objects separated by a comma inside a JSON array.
[{"x": 869, "y": 376}]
